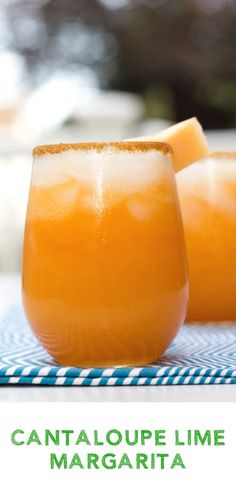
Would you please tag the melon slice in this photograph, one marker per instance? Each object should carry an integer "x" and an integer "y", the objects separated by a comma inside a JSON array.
[{"x": 187, "y": 140}]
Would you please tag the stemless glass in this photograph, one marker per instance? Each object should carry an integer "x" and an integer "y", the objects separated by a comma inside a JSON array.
[
  {"x": 104, "y": 273},
  {"x": 207, "y": 192}
]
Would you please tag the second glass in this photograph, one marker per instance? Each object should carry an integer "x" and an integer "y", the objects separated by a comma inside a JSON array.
[{"x": 104, "y": 274}]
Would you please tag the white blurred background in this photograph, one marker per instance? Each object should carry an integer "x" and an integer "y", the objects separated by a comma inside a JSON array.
[{"x": 105, "y": 70}]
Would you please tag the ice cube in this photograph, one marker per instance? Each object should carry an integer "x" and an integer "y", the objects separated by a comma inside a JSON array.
[
  {"x": 48, "y": 171},
  {"x": 140, "y": 210}
]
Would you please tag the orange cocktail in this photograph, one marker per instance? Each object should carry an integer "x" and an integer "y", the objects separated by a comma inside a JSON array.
[
  {"x": 207, "y": 192},
  {"x": 104, "y": 277}
]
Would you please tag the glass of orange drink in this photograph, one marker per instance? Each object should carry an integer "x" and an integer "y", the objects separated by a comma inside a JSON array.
[
  {"x": 104, "y": 273},
  {"x": 207, "y": 192}
]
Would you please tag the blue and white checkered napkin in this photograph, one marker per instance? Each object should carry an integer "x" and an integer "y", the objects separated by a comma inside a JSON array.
[{"x": 200, "y": 354}]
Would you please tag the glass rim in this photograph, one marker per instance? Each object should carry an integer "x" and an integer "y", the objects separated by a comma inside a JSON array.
[
  {"x": 222, "y": 154},
  {"x": 116, "y": 146}
]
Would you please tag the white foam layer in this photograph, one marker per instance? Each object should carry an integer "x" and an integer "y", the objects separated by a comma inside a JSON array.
[
  {"x": 208, "y": 181},
  {"x": 123, "y": 171},
  {"x": 210, "y": 169}
]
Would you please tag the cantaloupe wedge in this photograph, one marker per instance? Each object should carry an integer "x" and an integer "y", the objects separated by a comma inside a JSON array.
[{"x": 187, "y": 140}]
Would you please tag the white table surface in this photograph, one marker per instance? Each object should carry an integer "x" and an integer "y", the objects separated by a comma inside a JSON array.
[{"x": 10, "y": 293}]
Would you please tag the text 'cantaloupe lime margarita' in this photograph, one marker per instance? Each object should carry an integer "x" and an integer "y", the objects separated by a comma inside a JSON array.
[{"x": 104, "y": 277}]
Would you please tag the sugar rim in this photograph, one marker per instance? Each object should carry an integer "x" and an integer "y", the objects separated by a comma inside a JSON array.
[
  {"x": 222, "y": 154},
  {"x": 128, "y": 146}
]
